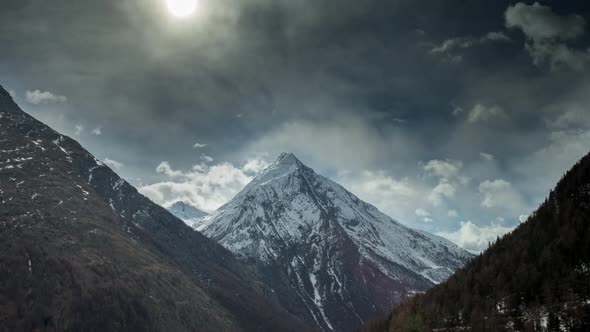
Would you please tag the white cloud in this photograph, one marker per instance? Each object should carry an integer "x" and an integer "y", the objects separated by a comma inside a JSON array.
[
  {"x": 440, "y": 192},
  {"x": 449, "y": 47},
  {"x": 481, "y": 113},
  {"x": 452, "y": 213},
  {"x": 255, "y": 166},
  {"x": 12, "y": 93},
  {"x": 443, "y": 168},
  {"x": 422, "y": 213},
  {"x": 113, "y": 164},
  {"x": 395, "y": 197},
  {"x": 493, "y": 192},
  {"x": 523, "y": 217},
  {"x": 547, "y": 33},
  {"x": 79, "y": 129},
  {"x": 206, "y": 187},
  {"x": 97, "y": 131},
  {"x": 427, "y": 220},
  {"x": 165, "y": 168},
  {"x": 207, "y": 159},
  {"x": 501, "y": 194},
  {"x": 475, "y": 238},
  {"x": 38, "y": 97},
  {"x": 452, "y": 44},
  {"x": 540, "y": 22},
  {"x": 448, "y": 172},
  {"x": 546, "y": 165},
  {"x": 198, "y": 145}
]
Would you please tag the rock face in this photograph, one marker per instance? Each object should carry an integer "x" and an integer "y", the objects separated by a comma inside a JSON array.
[
  {"x": 344, "y": 260},
  {"x": 187, "y": 213},
  {"x": 82, "y": 250}
]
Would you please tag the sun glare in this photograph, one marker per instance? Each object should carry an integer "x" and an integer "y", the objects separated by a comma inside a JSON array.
[{"x": 181, "y": 8}]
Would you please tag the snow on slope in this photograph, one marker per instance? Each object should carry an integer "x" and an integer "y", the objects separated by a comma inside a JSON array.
[
  {"x": 347, "y": 260},
  {"x": 186, "y": 212}
]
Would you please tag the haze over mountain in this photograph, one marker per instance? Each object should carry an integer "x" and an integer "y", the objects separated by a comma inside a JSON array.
[
  {"x": 82, "y": 250},
  {"x": 345, "y": 259}
]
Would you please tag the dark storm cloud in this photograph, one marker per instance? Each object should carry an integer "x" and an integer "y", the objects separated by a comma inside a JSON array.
[{"x": 355, "y": 88}]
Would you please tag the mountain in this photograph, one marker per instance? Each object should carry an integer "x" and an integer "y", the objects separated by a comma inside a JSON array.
[
  {"x": 344, "y": 260},
  {"x": 537, "y": 278},
  {"x": 187, "y": 213},
  {"x": 82, "y": 250}
]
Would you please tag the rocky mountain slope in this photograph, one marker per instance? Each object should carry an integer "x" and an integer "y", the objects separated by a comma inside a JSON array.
[
  {"x": 82, "y": 250},
  {"x": 344, "y": 259},
  {"x": 536, "y": 278}
]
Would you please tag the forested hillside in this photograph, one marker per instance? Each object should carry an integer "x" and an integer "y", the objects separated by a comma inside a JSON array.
[{"x": 536, "y": 278}]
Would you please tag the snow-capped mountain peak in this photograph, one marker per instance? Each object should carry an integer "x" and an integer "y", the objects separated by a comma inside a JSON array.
[
  {"x": 186, "y": 212},
  {"x": 346, "y": 260},
  {"x": 285, "y": 164}
]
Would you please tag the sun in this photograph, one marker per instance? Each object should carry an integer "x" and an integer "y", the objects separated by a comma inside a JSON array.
[{"x": 181, "y": 8}]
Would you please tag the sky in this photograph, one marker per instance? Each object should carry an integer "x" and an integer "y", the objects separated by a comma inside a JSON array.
[{"x": 454, "y": 117}]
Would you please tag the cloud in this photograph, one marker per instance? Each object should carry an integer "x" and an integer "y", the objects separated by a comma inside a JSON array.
[
  {"x": 573, "y": 117},
  {"x": 206, "y": 187},
  {"x": 452, "y": 44},
  {"x": 165, "y": 168},
  {"x": 348, "y": 142},
  {"x": 395, "y": 197},
  {"x": 113, "y": 164},
  {"x": 564, "y": 147},
  {"x": 440, "y": 192},
  {"x": 79, "y": 129},
  {"x": 449, "y": 47},
  {"x": 448, "y": 172},
  {"x": 496, "y": 36},
  {"x": 443, "y": 168},
  {"x": 539, "y": 22},
  {"x": 482, "y": 113},
  {"x": 207, "y": 159},
  {"x": 198, "y": 145},
  {"x": 255, "y": 166},
  {"x": 523, "y": 217},
  {"x": 473, "y": 237},
  {"x": 12, "y": 93},
  {"x": 38, "y": 97},
  {"x": 487, "y": 156},
  {"x": 452, "y": 213},
  {"x": 425, "y": 215},
  {"x": 547, "y": 33},
  {"x": 97, "y": 131},
  {"x": 557, "y": 54},
  {"x": 501, "y": 194},
  {"x": 422, "y": 213}
]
